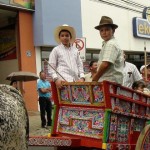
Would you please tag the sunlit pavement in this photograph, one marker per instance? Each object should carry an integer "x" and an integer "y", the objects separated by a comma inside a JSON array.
[
  {"x": 36, "y": 130},
  {"x": 35, "y": 125}
]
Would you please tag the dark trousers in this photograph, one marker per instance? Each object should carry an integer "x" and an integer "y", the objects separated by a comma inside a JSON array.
[{"x": 45, "y": 106}]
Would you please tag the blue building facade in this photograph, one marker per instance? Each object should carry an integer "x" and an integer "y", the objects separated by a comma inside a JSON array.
[{"x": 51, "y": 13}]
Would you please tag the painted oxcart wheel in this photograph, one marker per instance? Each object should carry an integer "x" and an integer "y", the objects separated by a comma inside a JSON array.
[{"x": 143, "y": 142}]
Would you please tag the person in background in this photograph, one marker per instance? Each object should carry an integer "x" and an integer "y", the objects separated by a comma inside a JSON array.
[
  {"x": 65, "y": 58},
  {"x": 110, "y": 64},
  {"x": 140, "y": 86},
  {"x": 93, "y": 70},
  {"x": 13, "y": 83},
  {"x": 130, "y": 74},
  {"x": 142, "y": 70},
  {"x": 44, "y": 91}
]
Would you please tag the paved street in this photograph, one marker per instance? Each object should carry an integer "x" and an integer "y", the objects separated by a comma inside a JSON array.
[
  {"x": 35, "y": 125},
  {"x": 36, "y": 130}
]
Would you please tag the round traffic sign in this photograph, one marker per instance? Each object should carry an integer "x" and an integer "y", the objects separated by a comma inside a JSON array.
[{"x": 79, "y": 44}]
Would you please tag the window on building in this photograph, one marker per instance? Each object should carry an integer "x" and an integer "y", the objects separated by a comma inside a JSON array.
[{"x": 134, "y": 57}]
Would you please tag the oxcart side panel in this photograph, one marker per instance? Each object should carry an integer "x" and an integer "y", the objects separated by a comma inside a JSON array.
[
  {"x": 85, "y": 94},
  {"x": 129, "y": 113},
  {"x": 99, "y": 113}
]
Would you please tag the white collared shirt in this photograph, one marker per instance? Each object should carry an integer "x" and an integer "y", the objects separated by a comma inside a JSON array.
[
  {"x": 67, "y": 62},
  {"x": 130, "y": 74},
  {"x": 88, "y": 77}
]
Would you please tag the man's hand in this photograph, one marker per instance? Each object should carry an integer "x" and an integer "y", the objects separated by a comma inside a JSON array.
[
  {"x": 58, "y": 83},
  {"x": 81, "y": 80},
  {"x": 48, "y": 89},
  {"x": 101, "y": 70},
  {"x": 45, "y": 90}
]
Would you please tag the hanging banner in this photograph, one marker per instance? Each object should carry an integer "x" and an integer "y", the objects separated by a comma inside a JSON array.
[
  {"x": 7, "y": 44},
  {"x": 28, "y": 4}
]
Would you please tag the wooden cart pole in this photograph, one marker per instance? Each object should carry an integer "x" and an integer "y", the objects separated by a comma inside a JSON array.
[
  {"x": 145, "y": 61},
  {"x": 55, "y": 70}
]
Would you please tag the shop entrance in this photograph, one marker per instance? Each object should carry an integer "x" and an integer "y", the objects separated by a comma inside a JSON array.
[{"x": 8, "y": 44}]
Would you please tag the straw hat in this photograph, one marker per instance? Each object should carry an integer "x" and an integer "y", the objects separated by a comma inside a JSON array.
[
  {"x": 64, "y": 27},
  {"x": 106, "y": 21}
]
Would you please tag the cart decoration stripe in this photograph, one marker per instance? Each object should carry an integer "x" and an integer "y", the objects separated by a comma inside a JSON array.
[{"x": 106, "y": 125}]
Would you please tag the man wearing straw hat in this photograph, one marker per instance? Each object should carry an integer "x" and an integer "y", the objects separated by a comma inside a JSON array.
[
  {"x": 110, "y": 64},
  {"x": 64, "y": 60}
]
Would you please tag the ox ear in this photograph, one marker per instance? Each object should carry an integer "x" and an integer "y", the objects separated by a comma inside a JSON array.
[{"x": 14, "y": 119}]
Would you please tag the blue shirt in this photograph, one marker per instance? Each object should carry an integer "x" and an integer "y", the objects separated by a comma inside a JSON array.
[{"x": 43, "y": 84}]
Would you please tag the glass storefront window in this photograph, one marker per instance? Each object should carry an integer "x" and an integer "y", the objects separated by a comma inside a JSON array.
[{"x": 136, "y": 58}]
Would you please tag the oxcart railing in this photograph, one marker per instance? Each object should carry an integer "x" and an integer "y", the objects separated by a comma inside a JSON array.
[{"x": 102, "y": 115}]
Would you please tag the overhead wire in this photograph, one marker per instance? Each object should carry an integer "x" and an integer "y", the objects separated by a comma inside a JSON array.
[
  {"x": 134, "y": 3},
  {"x": 124, "y": 4}
]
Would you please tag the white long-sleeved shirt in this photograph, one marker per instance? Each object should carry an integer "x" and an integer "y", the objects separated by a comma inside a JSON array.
[{"x": 67, "y": 62}]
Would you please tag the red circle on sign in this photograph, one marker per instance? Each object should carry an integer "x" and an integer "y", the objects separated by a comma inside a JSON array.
[{"x": 79, "y": 44}]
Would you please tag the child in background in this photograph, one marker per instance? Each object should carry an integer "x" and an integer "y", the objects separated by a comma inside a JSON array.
[{"x": 140, "y": 86}]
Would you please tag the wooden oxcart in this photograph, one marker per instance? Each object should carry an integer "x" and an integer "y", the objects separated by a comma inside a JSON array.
[{"x": 98, "y": 115}]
